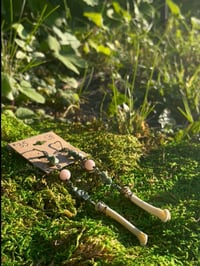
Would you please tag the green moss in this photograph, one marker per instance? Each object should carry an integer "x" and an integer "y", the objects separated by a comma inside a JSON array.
[
  {"x": 43, "y": 224},
  {"x": 13, "y": 129}
]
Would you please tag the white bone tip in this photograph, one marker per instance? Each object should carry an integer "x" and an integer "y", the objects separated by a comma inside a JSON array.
[
  {"x": 166, "y": 215},
  {"x": 143, "y": 238}
]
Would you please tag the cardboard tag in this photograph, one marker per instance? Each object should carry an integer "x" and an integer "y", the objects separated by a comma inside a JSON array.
[{"x": 38, "y": 148}]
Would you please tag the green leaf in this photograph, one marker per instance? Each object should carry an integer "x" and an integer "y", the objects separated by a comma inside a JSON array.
[
  {"x": 117, "y": 7},
  {"x": 120, "y": 11},
  {"x": 68, "y": 97},
  {"x": 96, "y": 18},
  {"x": 8, "y": 85},
  {"x": 36, "y": 55},
  {"x": 62, "y": 56},
  {"x": 100, "y": 48},
  {"x": 53, "y": 44},
  {"x": 67, "y": 38},
  {"x": 70, "y": 82},
  {"x": 77, "y": 61},
  {"x": 104, "y": 50},
  {"x": 21, "y": 55},
  {"x": 187, "y": 112},
  {"x": 66, "y": 61},
  {"x": 174, "y": 8},
  {"x": 195, "y": 127},
  {"x": 20, "y": 30},
  {"x": 23, "y": 45},
  {"x": 93, "y": 44},
  {"x": 91, "y": 2},
  {"x": 195, "y": 23},
  {"x": 23, "y": 113},
  {"x": 26, "y": 89}
]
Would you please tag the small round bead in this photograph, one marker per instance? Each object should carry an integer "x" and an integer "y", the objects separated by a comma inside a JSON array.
[
  {"x": 65, "y": 174},
  {"x": 89, "y": 165}
]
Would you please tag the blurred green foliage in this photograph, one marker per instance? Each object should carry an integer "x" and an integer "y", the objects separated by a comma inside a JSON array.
[{"x": 147, "y": 61}]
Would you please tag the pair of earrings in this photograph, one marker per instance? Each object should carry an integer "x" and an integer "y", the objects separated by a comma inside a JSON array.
[
  {"x": 65, "y": 175},
  {"x": 89, "y": 165}
]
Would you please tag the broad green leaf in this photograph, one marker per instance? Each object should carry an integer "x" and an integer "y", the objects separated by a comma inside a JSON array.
[
  {"x": 67, "y": 38},
  {"x": 93, "y": 44},
  {"x": 20, "y": 30},
  {"x": 37, "y": 55},
  {"x": 23, "y": 113},
  {"x": 23, "y": 45},
  {"x": 126, "y": 15},
  {"x": 100, "y": 48},
  {"x": 96, "y": 18},
  {"x": 78, "y": 61},
  {"x": 195, "y": 23},
  {"x": 86, "y": 48},
  {"x": 66, "y": 61},
  {"x": 70, "y": 82},
  {"x": 8, "y": 86},
  {"x": 26, "y": 89},
  {"x": 118, "y": 13},
  {"x": 174, "y": 8},
  {"x": 104, "y": 50},
  {"x": 91, "y": 2},
  {"x": 69, "y": 97},
  {"x": 53, "y": 44},
  {"x": 111, "y": 46},
  {"x": 62, "y": 56},
  {"x": 21, "y": 55},
  {"x": 117, "y": 7}
]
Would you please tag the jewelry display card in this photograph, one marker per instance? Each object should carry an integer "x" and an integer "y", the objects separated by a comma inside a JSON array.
[{"x": 46, "y": 151}]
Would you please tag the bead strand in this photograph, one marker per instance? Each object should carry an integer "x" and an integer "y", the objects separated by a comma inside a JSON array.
[{"x": 65, "y": 175}]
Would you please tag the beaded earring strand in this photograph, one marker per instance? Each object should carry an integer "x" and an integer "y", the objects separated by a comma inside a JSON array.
[
  {"x": 65, "y": 175},
  {"x": 90, "y": 166}
]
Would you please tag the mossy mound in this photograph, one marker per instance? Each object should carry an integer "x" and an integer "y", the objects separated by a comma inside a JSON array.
[
  {"x": 13, "y": 129},
  {"x": 39, "y": 216},
  {"x": 44, "y": 224}
]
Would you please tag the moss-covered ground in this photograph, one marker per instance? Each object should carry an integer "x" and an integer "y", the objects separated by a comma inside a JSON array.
[{"x": 43, "y": 224}]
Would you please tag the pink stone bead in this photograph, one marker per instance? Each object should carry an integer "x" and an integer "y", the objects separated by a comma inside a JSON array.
[
  {"x": 89, "y": 165},
  {"x": 65, "y": 174}
]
